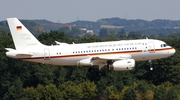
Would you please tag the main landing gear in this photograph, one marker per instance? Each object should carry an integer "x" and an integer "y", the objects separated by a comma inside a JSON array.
[
  {"x": 109, "y": 64},
  {"x": 98, "y": 73}
]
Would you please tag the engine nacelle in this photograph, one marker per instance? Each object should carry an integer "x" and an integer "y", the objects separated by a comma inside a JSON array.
[
  {"x": 85, "y": 62},
  {"x": 120, "y": 65}
]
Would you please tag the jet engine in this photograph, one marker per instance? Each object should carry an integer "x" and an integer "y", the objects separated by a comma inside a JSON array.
[
  {"x": 120, "y": 65},
  {"x": 86, "y": 62}
]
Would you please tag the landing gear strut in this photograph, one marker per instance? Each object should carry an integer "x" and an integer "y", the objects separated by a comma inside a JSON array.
[
  {"x": 150, "y": 65},
  {"x": 109, "y": 64}
]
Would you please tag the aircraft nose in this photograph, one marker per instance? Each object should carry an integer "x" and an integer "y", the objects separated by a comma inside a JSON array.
[{"x": 172, "y": 51}]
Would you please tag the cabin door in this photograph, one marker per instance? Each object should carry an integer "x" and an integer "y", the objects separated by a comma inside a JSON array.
[{"x": 151, "y": 47}]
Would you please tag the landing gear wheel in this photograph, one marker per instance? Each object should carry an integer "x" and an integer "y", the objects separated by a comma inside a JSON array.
[
  {"x": 99, "y": 73},
  {"x": 91, "y": 70},
  {"x": 151, "y": 68}
]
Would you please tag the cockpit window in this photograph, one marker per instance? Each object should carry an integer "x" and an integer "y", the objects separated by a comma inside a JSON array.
[{"x": 164, "y": 45}]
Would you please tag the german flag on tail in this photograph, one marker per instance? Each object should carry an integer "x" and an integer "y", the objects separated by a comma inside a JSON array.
[{"x": 18, "y": 27}]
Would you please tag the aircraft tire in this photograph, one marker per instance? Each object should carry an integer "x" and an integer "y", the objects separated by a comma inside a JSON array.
[{"x": 91, "y": 70}]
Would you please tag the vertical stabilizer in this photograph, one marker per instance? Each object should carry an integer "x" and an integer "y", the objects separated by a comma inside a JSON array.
[{"x": 22, "y": 37}]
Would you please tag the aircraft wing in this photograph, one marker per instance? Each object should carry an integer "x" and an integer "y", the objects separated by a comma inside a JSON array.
[
  {"x": 113, "y": 57},
  {"x": 104, "y": 59}
]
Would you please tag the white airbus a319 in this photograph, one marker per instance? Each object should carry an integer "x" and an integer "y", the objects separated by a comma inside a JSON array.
[{"x": 117, "y": 55}]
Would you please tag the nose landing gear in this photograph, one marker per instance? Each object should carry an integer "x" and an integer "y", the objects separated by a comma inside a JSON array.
[{"x": 150, "y": 64}]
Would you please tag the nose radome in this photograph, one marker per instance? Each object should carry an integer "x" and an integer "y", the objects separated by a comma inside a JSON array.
[{"x": 172, "y": 51}]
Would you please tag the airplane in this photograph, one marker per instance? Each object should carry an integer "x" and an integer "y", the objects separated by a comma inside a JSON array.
[{"x": 117, "y": 55}]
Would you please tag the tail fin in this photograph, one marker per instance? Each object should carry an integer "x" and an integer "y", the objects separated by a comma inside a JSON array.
[{"x": 22, "y": 37}]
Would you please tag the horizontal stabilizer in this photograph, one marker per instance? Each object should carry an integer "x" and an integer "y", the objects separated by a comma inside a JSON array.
[
  {"x": 24, "y": 54},
  {"x": 17, "y": 53},
  {"x": 9, "y": 49}
]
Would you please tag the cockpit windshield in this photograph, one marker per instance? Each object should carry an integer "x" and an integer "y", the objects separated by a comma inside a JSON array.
[{"x": 164, "y": 45}]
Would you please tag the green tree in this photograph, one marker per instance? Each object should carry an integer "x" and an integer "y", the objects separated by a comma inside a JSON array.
[
  {"x": 172, "y": 94},
  {"x": 64, "y": 29},
  {"x": 15, "y": 91},
  {"x": 103, "y": 32},
  {"x": 31, "y": 93},
  {"x": 149, "y": 95},
  {"x": 52, "y": 36},
  {"x": 134, "y": 35},
  {"x": 40, "y": 89},
  {"x": 75, "y": 31},
  {"x": 60, "y": 75},
  {"x": 50, "y": 92},
  {"x": 141, "y": 90},
  {"x": 89, "y": 39},
  {"x": 111, "y": 36},
  {"x": 122, "y": 34},
  {"x": 130, "y": 94},
  {"x": 160, "y": 93},
  {"x": 112, "y": 93},
  {"x": 88, "y": 89},
  {"x": 70, "y": 91}
]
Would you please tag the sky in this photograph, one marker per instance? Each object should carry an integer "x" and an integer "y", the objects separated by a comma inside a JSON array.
[{"x": 65, "y": 11}]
